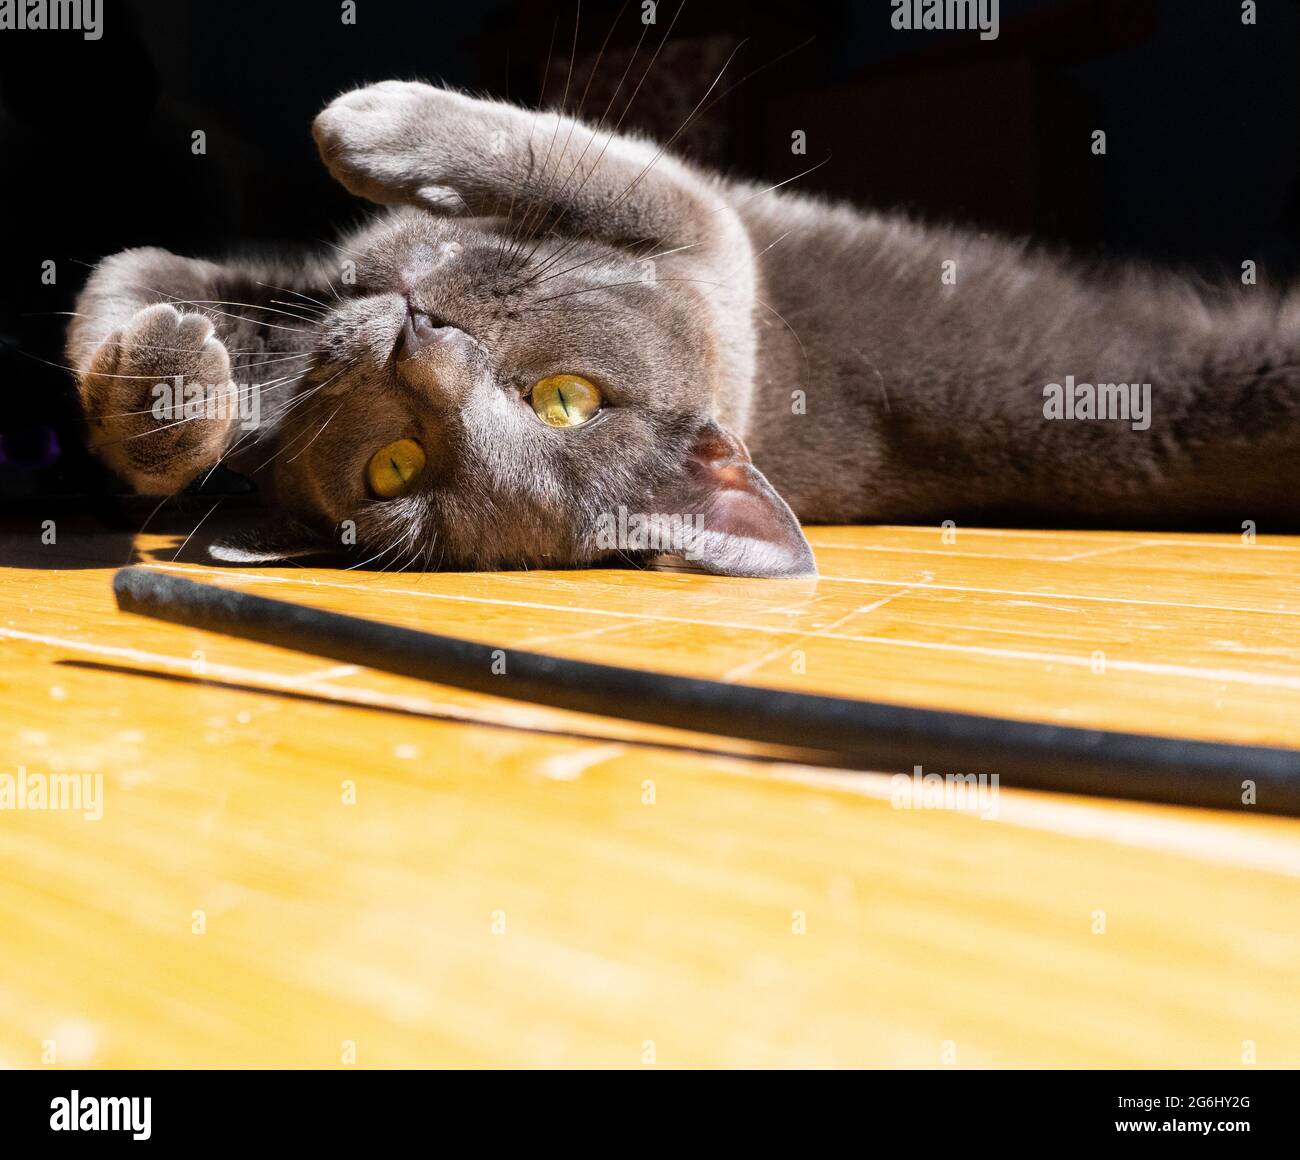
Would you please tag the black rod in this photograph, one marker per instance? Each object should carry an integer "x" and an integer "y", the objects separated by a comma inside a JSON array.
[{"x": 859, "y": 734}]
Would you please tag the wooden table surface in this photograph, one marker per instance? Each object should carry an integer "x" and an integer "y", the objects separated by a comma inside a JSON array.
[{"x": 306, "y": 864}]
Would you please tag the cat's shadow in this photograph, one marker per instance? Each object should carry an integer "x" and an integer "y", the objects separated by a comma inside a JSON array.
[
  {"x": 57, "y": 534},
  {"x": 45, "y": 536},
  {"x": 48, "y": 542}
]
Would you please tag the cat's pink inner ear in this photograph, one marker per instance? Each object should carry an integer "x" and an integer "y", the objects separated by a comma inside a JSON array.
[{"x": 742, "y": 527}]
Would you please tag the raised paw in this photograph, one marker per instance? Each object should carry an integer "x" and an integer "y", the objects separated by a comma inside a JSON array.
[
  {"x": 405, "y": 142},
  {"x": 159, "y": 398}
]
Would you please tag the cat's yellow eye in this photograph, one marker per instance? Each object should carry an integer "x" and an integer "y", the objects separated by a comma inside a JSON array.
[
  {"x": 394, "y": 468},
  {"x": 565, "y": 400}
]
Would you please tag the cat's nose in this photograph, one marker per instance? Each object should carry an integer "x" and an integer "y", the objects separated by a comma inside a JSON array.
[
  {"x": 442, "y": 360},
  {"x": 421, "y": 331}
]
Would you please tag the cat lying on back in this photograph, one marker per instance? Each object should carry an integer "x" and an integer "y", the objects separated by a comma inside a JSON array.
[{"x": 553, "y": 324}]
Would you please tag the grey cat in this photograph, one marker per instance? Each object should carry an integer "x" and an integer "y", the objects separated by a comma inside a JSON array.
[{"x": 551, "y": 324}]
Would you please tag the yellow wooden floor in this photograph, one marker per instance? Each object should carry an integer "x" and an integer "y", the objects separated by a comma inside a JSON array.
[{"x": 514, "y": 885}]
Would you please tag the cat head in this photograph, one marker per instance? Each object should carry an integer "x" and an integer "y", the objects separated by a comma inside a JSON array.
[{"x": 477, "y": 403}]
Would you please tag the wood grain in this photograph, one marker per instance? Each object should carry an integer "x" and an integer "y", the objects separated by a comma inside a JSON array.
[{"x": 514, "y": 885}]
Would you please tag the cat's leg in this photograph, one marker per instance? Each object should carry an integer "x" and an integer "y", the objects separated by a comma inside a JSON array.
[
  {"x": 402, "y": 142},
  {"x": 408, "y": 143},
  {"x": 154, "y": 378}
]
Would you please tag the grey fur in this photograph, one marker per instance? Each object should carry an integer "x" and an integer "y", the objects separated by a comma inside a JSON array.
[{"x": 826, "y": 339}]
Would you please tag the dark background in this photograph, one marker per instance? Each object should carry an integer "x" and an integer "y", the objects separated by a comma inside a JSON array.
[{"x": 1200, "y": 111}]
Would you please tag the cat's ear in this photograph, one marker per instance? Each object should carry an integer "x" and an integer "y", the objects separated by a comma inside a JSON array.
[
  {"x": 269, "y": 542},
  {"x": 740, "y": 526}
]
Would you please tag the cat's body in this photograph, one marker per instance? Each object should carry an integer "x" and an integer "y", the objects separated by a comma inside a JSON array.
[
  {"x": 925, "y": 401},
  {"x": 876, "y": 370}
]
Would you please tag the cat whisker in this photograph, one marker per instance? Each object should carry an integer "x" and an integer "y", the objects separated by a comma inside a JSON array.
[
  {"x": 296, "y": 293},
  {"x": 372, "y": 559},
  {"x": 314, "y": 316},
  {"x": 770, "y": 188},
  {"x": 699, "y": 109},
  {"x": 142, "y": 434},
  {"x": 506, "y": 235},
  {"x": 232, "y": 449},
  {"x": 540, "y": 281},
  {"x": 277, "y": 358},
  {"x": 682, "y": 128},
  {"x": 803, "y": 350},
  {"x": 341, "y": 249},
  {"x": 590, "y": 290},
  {"x": 252, "y": 432},
  {"x": 131, "y": 551},
  {"x": 626, "y": 109},
  {"x": 763, "y": 251},
  {"x": 754, "y": 72},
  {"x": 645, "y": 28},
  {"x": 346, "y": 367},
  {"x": 414, "y": 554},
  {"x": 210, "y": 302},
  {"x": 243, "y": 389},
  {"x": 174, "y": 301},
  {"x": 310, "y": 441},
  {"x": 166, "y": 426},
  {"x": 403, "y": 533},
  {"x": 185, "y": 542},
  {"x": 576, "y": 116},
  {"x": 76, "y": 373},
  {"x": 532, "y": 217},
  {"x": 192, "y": 418}
]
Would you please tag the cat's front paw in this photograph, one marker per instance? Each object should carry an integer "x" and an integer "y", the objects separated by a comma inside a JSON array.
[
  {"x": 159, "y": 398},
  {"x": 405, "y": 142}
]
